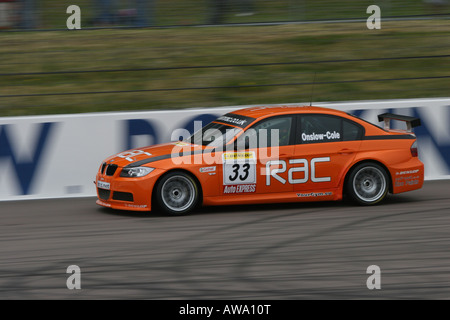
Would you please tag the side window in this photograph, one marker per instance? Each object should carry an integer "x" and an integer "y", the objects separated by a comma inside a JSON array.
[
  {"x": 316, "y": 128},
  {"x": 275, "y": 131},
  {"x": 351, "y": 131}
]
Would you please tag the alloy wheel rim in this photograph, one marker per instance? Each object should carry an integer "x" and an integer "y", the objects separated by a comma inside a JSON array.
[
  {"x": 369, "y": 184},
  {"x": 178, "y": 193}
]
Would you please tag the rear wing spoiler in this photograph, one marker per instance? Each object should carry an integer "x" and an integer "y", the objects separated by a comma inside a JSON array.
[{"x": 411, "y": 122}]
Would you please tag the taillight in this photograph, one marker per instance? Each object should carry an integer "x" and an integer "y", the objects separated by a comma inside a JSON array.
[{"x": 414, "y": 151}]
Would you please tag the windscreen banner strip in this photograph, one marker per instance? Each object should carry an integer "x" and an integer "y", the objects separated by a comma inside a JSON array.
[{"x": 235, "y": 120}]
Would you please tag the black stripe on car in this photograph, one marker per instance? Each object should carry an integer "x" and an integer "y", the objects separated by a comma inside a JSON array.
[
  {"x": 163, "y": 157},
  {"x": 168, "y": 156},
  {"x": 390, "y": 137}
]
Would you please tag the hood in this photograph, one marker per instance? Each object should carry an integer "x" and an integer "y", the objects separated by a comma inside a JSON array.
[{"x": 141, "y": 156}]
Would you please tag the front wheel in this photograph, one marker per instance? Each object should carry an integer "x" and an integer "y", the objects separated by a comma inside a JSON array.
[
  {"x": 368, "y": 183},
  {"x": 177, "y": 193}
]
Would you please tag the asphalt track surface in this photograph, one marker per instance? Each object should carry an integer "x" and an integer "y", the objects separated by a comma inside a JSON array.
[{"x": 291, "y": 251}]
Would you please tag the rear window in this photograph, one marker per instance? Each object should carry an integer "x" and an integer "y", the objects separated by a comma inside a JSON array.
[{"x": 351, "y": 131}]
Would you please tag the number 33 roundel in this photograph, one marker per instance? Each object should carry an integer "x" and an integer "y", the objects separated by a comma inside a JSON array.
[{"x": 239, "y": 168}]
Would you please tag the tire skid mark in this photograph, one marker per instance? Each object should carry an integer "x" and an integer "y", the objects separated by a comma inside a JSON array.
[
  {"x": 216, "y": 256},
  {"x": 240, "y": 270},
  {"x": 190, "y": 255}
]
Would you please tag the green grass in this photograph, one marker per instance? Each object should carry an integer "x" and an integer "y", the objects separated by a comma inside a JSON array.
[
  {"x": 191, "y": 46},
  {"x": 188, "y": 12}
]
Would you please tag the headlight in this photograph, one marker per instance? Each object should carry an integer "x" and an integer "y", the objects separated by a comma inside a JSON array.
[{"x": 136, "y": 172}]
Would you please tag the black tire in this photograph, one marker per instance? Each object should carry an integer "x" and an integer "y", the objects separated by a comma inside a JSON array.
[
  {"x": 368, "y": 184},
  {"x": 177, "y": 193}
]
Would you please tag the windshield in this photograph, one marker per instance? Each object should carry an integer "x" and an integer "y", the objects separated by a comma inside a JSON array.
[{"x": 214, "y": 135}]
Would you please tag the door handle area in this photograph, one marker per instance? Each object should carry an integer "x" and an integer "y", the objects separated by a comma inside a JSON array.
[{"x": 346, "y": 151}]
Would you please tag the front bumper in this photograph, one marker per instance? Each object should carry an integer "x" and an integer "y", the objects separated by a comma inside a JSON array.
[{"x": 134, "y": 194}]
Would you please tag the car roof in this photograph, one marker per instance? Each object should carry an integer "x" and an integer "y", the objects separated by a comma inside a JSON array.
[{"x": 262, "y": 111}]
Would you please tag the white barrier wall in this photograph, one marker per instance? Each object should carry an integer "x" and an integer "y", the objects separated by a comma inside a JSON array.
[{"x": 58, "y": 156}]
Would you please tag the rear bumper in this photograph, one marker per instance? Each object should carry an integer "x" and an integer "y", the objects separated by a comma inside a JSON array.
[{"x": 407, "y": 176}]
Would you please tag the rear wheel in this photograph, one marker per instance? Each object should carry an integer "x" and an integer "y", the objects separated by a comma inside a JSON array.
[
  {"x": 177, "y": 193},
  {"x": 368, "y": 183}
]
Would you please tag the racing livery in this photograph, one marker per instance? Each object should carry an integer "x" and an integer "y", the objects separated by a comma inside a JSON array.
[{"x": 267, "y": 155}]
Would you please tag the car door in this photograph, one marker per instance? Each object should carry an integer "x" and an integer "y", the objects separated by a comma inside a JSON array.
[
  {"x": 261, "y": 160},
  {"x": 325, "y": 147}
]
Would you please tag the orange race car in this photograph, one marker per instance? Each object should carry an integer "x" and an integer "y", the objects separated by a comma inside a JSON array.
[{"x": 267, "y": 155}]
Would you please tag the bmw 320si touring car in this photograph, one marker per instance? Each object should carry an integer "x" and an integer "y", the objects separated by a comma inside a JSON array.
[{"x": 267, "y": 155}]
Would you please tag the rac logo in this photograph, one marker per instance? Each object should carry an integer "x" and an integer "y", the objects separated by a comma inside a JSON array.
[{"x": 275, "y": 167}]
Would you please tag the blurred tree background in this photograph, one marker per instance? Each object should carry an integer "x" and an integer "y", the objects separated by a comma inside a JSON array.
[{"x": 208, "y": 53}]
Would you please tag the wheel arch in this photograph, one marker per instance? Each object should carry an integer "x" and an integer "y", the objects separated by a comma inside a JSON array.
[
  {"x": 357, "y": 163},
  {"x": 192, "y": 175}
]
